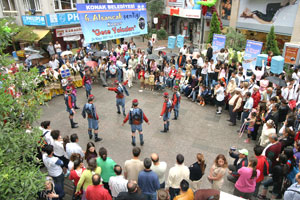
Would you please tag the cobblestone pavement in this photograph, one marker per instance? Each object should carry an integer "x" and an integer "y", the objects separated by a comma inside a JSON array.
[{"x": 198, "y": 129}]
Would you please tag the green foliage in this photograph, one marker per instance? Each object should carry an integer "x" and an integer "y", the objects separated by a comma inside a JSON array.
[
  {"x": 271, "y": 44},
  {"x": 26, "y": 34},
  {"x": 155, "y": 7},
  {"x": 162, "y": 34},
  {"x": 214, "y": 28},
  {"x": 235, "y": 40},
  {"x": 20, "y": 176}
]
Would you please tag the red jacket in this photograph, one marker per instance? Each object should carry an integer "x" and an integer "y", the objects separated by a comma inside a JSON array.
[
  {"x": 141, "y": 74},
  {"x": 97, "y": 192},
  {"x": 135, "y": 123},
  {"x": 164, "y": 109},
  {"x": 256, "y": 99},
  {"x": 115, "y": 89},
  {"x": 261, "y": 161}
]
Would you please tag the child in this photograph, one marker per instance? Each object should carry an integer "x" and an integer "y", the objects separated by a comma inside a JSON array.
[
  {"x": 146, "y": 82},
  {"x": 141, "y": 77},
  {"x": 204, "y": 92},
  {"x": 151, "y": 81},
  {"x": 188, "y": 66},
  {"x": 251, "y": 121},
  {"x": 130, "y": 75}
]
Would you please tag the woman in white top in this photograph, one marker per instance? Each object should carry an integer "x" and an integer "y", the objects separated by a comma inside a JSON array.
[
  {"x": 267, "y": 130},
  {"x": 219, "y": 92},
  {"x": 217, "y": 172}
]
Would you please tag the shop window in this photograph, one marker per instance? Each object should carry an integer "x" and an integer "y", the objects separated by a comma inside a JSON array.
[
  {"x": 65, "y": 4},
  {"x": 8, "y": 5},
  {"x": 32, "y": 5},
  {"x": 226, "y": 9}
]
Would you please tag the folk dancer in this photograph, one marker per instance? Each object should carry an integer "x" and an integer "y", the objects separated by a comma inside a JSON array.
[
  {"x": 120, "y": 98},
  {"x": 136, "y": 116},
  {"x": 69, "y": 101},
  {"x": 166, "y": 112},
  {"x": 89, "y": 109}
]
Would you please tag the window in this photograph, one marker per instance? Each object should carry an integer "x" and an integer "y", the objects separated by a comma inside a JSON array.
[
  {"x": 65, "y": 4},
  {"x": 8, "y": 5},
  {"x": 32, "y": 5}
]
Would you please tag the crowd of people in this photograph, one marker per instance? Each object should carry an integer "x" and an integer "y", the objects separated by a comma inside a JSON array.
[{"x": 266, "y": 104}]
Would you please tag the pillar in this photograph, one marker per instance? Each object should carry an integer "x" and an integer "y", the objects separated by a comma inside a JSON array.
[
  {"x": 296, "y": 30},
  {"x": 234, "y": 13}
]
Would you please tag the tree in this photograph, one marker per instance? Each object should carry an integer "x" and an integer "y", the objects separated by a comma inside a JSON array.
[
  {"x": 155, "y": 7},
  {"x": 26, "y": 34},
  {"x": 214, "y": 28},
  {"x": 271, "y": 44},
  {"x": 235, "y": 40},
  {"x": 20, "y": 99}
]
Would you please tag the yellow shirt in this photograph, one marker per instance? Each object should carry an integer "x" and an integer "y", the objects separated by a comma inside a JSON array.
[
  {"x": 188, "y": 195},
  {"x": 86, "y": 178}
]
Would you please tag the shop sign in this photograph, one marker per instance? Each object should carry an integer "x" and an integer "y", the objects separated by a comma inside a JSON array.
[
  {"x": 290, "y": 55},
  {"x": 218, "y": 43},
  {"x": 60, "y": 19},
  {"x": 34, "y": 20},
  {"x": 101, "y": 22},
  {"x": 261, "y": 15},
  {"x": 253, "y": 49},
  {"x": 63, "y": 32},
  {"x": 181, "y": 12}
]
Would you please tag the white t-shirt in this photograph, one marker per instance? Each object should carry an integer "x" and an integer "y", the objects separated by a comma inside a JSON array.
[
  {"x": 58, "y": 148},
  {"x": 54, "y": 64},
  {"x": 220, "y": 94},
  {"x": 57, "y": 48},
  {"x": 160, "y": 170},
  {"x": 54, "y": 170},
  {"x": 73, "y": 148},
  {"x": 200, "y": 62},
  {"x": 48, "y": 137},
  {"x": 211, "y": 68}
]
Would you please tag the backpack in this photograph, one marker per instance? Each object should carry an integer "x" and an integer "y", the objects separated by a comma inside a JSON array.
[
  {"x": 169, "y": 105},
  {"x": 42, "y": 142}
]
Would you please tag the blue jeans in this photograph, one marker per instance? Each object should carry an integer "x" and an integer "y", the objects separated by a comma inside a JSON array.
[
  {"x": 176, "y": 110},
  {"x": 151, "y": 196}
]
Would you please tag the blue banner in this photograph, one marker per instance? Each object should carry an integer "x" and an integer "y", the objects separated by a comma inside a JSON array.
[
  {"x": 180, "y": 41},
  {"x": 101, "y": 22},
  {"x": 34, "y": 20},
  {"x": 253, "y": 49},
  {"x": 218, "y": 44},
  {"x": 60, "y": 19}
]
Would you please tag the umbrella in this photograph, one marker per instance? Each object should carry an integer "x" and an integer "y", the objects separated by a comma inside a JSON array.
[
  {"x": 35, "y": 56},
  {"x": 91, "y": 64},
  {"x": 159, "y": 48},
  {"x": 66, "y": 53},
  {"x": 93, "y": 50},
  {"x": 277, "y": 81},
  {"x": 30, "y": 50},
  {"x": 172, "y": 54},
  {"x": 153, "y": 57},
  {"x": 101, "y": 54}
]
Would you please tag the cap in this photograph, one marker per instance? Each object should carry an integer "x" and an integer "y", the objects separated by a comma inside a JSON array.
[
  {"x": 135, "y": 102},
  {"x": 68, "y": 88},
  {"x": 91, "y": 97},
  {"x": 176, "y": 87},
  {"x": 244, "y": 151},
  {"x": 166, "y": 94}
]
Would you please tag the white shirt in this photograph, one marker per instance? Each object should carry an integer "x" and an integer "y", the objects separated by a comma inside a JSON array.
[
  {"x": 73, "y": 148},
  {"x": 200, "y": 62},
  {"x": 54, "y": 170},
  {"x": 117, "y": 184},
  {"x": 211, "y": 68},
  {"x": 48, "y": 137},
  {"x": 249, "y": 104},
  {"x": 176, "y": 175},
  {"x": 160, "y": 170},
  {"x": 54, "y": 64},
  {"x": 183, "y": 51},
  {"x": 57, "y": 48},
  {"x": 58, "y": 148},
  {"x": 220, "y": 94}
]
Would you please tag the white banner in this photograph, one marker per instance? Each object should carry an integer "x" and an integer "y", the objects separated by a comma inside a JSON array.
[{"x": 63, "y": 32}]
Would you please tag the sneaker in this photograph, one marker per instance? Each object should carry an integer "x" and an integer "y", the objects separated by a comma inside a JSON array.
[
  {"x": 142, "y": 143},
  {"x": 119, "y": 112},
  {"x": 98, "y": 139},
  {"x": 133, "y": 144},
  {"x": 91, "y": 136},
  {"x": 75, "y": 126}
]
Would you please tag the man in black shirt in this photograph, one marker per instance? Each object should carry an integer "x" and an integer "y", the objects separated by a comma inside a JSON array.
[{"x": 132, "y": 193}]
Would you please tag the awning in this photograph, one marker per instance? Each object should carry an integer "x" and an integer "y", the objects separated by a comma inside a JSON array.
[
  {"x": 72, "y": 38},
  {"x": 41, "y": 33}
]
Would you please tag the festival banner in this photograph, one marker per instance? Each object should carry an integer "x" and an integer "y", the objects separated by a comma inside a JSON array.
[
  {"x": 253, "y": 49},
  {"x": 218, "y": 43},
  {"x": 101, "y": 22}
]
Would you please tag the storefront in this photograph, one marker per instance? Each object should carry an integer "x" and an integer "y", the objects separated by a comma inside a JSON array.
[{"x": 65, "y": 29}]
